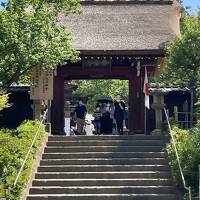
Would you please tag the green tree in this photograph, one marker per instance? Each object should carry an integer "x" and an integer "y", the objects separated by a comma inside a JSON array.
[
  {"x": 30, "y": 35},
  {"x": 182, "y": 66},
  {"x": 94, "y": 89}
]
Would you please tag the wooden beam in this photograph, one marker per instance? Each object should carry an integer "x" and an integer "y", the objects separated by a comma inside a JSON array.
[
  {"x": 57, "y": 116},
  {"x": 136, "y": 105}
]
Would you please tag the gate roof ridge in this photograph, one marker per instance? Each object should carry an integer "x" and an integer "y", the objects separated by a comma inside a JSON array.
[{"x": 127, "y": 1}]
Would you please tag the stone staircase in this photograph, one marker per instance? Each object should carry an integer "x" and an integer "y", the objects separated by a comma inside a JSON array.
[{"x": 103, "y": 168}]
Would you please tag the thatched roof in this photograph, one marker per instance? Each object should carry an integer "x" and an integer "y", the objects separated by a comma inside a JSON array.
[
  {"x": 128, "y": 1},
  {"x": 119, "y": 25}
]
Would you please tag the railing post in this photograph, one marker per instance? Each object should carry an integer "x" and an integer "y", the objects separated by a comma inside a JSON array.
[
  {"x": 191, "y": 106},
  {"x": 190, "y": 193},
  {"x": 176, "y": 113}
]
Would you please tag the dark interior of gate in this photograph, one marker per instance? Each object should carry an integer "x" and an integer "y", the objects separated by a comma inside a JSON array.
[{"x": 106, "y": 67}]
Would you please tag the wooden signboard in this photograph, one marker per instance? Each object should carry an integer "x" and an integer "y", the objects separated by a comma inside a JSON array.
[{"x": 42, "y": 84}]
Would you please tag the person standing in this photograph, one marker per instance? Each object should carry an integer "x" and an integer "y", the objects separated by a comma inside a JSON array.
[
  {"x": 97, "y": 119},
  {"x": 126, "y": 118},
  {"x": 80, "y": 113},
  {"x": 106, "y": 121},
  {"x": 119, "y": 114}
]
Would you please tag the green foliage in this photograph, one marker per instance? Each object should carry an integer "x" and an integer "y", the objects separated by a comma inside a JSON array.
[
  {"x": 188, "y": 146},
  {"x": 4, "y": 101},
  {"x": 94, "y": 89},
  {"x": 30, "y": 35},
  {"x": 182, "y": 66},
  {"x": 14, "y": 145}
]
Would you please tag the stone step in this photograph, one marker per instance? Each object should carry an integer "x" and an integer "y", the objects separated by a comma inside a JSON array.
[
  {"x": 71, "y": 149},
  {"x": 103, "y": 197},
  {"x": 102, "y": 182},
  {"x": 103, "y": 175},
  {"x": 104, "y": 155},
  {"x": 106, "y": 137},
  {"x": 102, "y": 168},
  {"x": 103, "y": 161},
  {"x": 104, "y": 190},
  {"x": 106, "y": 143}
]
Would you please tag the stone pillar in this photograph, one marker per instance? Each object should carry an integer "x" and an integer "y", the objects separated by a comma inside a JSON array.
[
  {"x": 37, "y": 109},
  {"x": 158, "y": 105}
]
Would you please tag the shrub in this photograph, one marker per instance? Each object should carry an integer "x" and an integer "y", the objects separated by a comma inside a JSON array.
[
  {"x": 188, "y": 146},
  {"x": 4, "y": 101},
  {"x": 14, "y": 145}
]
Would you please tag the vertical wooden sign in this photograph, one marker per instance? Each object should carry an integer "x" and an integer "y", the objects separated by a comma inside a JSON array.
[
  {"x": 47, "y": 85},
  {"x": 42, "y": 84},
  {"x": 36, "y": 82}
]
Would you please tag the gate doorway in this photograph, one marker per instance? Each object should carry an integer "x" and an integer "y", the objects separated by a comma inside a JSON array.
[
  {"x": 101, "y": 93},
  {"x": 127, "y": 68}
]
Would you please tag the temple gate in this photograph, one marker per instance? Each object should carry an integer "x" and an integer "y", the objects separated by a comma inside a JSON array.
[{"x": 117, "y": 40}]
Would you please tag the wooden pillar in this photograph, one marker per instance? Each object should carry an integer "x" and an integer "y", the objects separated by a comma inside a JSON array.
[
  {"x": 136, "y": 105},
  {"x": 57, "y": 114}
]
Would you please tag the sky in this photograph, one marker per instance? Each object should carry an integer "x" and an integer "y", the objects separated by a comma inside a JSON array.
[{"x": 194, "y": 4}]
